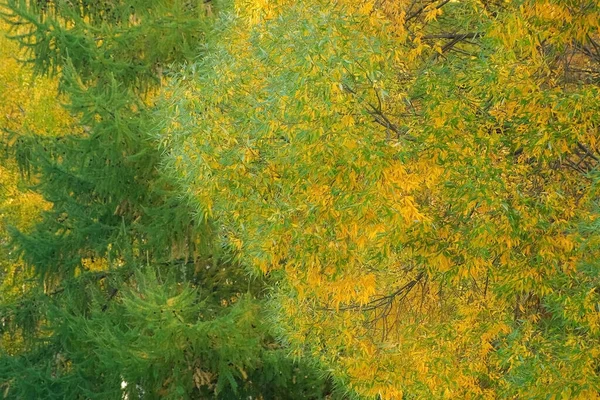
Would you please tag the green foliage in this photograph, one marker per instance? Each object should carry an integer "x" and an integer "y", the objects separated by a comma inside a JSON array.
[
  {"x": 404, "y": 191},
  {"x": 423, "y": 174},
  {"x": 129, "y": 40},
  {"x": 98, "y": 312},
  {"x": 103, "y": 181},
  {"x": 165, "y": 340}
]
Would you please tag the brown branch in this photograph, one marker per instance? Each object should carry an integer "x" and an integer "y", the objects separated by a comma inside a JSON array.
[
  {"x": 588, "y": 152},
  {"x": 422, "y": 8},
  {"x": 595, "y": 45},
  {"x": 410, "y": 7},
  {"x": 454, "y": 36},
  {"x": 96, "y": 277},
  {"x": 383, "y": 302},
  {"x": 381, "y": 119},
  {"x": 487, "y": 281},
  {"x": 575, "y": 167},
  {"x": 113, "y": 293}
]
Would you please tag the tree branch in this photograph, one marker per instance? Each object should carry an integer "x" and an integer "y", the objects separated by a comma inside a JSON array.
[
  {"x": 455, "y": 36},
  {"x": 417, "y": 12}
]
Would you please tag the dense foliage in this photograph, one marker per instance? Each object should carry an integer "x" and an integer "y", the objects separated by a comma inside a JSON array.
[
  {"x": 403, "y": 193},
  {"x": 424, "y": 177},
  {"x": 27, "y": 105},
  {"x": 128, "y": 294}
]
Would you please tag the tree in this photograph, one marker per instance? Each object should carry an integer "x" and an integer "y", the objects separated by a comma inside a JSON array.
[
  {"x": 130, "y": 287},
  {"x": 27, "y": 105},
  {"x": 422, "y": 175}
]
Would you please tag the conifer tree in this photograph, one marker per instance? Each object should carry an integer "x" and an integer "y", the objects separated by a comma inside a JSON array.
[
  {"x": 27, "y": 105},
  {"x": 129, "y": 287}
]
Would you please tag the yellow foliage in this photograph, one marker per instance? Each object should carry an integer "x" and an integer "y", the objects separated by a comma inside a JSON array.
[{"x": 419, "y": 190}]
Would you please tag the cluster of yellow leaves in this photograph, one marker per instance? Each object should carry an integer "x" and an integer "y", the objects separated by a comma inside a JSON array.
[{"x": 421, "y": 204}]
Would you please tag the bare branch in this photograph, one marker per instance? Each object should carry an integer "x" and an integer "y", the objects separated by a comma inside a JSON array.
[
  {"x": 383, "y": 120},
  {"x": 454, "y": 36},
  {"x": 417, "y": 12}
]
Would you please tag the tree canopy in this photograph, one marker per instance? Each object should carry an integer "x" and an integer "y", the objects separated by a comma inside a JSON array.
[
  {"x": 126, "y": 294},
  {"x": 424, "y": 177},
  {"x": 255, "y": 194}
]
